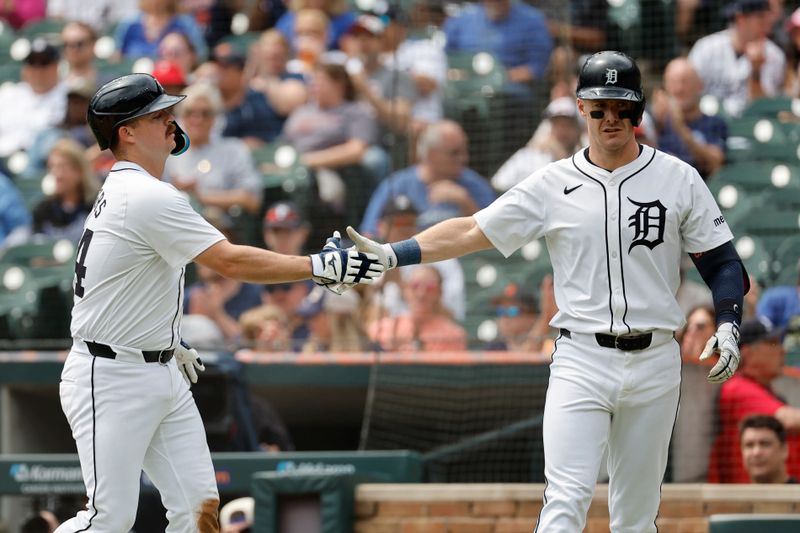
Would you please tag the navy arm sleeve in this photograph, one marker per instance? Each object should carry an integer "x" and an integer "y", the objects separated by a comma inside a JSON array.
[{"x": 724, "y": 273}]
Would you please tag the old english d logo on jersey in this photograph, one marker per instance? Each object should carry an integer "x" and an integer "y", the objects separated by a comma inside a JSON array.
[
  {"x": 611, "y": 76},
  {"x": 648, "y": 222}
]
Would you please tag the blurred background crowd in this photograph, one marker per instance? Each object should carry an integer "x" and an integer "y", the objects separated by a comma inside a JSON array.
[{"x": 391, "y": 115}]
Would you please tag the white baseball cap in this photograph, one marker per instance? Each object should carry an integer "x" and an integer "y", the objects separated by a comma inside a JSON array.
[{"x": 563, "y": 106}]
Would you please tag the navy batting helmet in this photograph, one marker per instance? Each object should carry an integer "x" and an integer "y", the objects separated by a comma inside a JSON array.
[
  {"x": 126, "y": 98},
  {"x": 612, "y": 75}
]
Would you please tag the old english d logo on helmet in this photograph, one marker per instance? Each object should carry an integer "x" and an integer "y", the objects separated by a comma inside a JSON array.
[
  {"x": 612, "y": 75},
  {"x": 126, "y": 98}
]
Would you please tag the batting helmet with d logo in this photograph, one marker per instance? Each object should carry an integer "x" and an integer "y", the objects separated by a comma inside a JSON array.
[
  {"x": 126, "y": 98},
  {"x": 612, "y": 75}
]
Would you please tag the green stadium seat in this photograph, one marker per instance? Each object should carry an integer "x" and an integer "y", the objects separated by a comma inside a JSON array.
[
  {"x": 48, "y": 27},
  {"x": 10, "y": 72},
  {"x": 241, "y": 43},
  {"x": 786, "y": 261},
  {"x": 755, "y": 176},
  {"x": 40, "y": 252},
  {"x": 762, "y": 138},
  {"x": 19, "y": 302},
  {"x": 755, "y": 255},
  {"x": 7, "y": 37},
  {"x": 754, "y": 523},
  {"x": 768, "y": 107},
  {"x": 284, "y": 177}
]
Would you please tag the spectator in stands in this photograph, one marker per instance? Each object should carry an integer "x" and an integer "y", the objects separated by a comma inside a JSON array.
[
  {"x": 288, "y": 297},
  {"x": 750, "y": 392},
  {"x": 285, "y": 229},
  {"x": 178, "y": 48},
  {"x": 557, "y": 137},
  {"x": 683, "y": 129},
  {"x": 221, "y": 299},
  {"x": 334, "y": 322},
  {"x": 740, "y": 64},
  {"x": 266, "y": 329},
  {"x": 63, "y": 213},
  {"x": 170, "y": 75},
  {"x": 389, "y": 92},
  {"x": 284, "y": 91},
  {"x": 399, "y": 222},
  {"x": 74, "y": 127},
  {"x": 218, "y": 171},
  {"x": 779, "y": 304},
  {"x": 341, "y": 18},
  {"x": 427, "y": 326},
  {"x": 141, "y": 35},
  {"x": 21, "y": 12},
  {"x": 79, "y": 39},
  {"x": 764, "y": 451},
  {"x": 700, "y": 325},
  {"x": 412, "y": 50},
  {"x": 39, "y": 523},
  {"x": 792, "y": 48},
  {"x": 248, "y": 114},
  {"x": 332, "y": 130},
  {"x": 514, "y": 32},
  {"x": 440, "y": 186},
  {"x": 99, "y": 14},
  {"x": 310, "y": 48},
  {"x": 15, "y": 221},
  {"x": 34, "y": 104},
  {"x": 521, "y": 325}
]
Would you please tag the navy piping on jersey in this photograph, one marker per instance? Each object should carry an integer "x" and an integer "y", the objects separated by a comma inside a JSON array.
[
  {"x": 121, "y": 169},
  {"x": 619, "y": 232},
  {"x": 608, "y": 260},
  {"x": 178, "y": 308},
  {"x": 94, "y": 456}
]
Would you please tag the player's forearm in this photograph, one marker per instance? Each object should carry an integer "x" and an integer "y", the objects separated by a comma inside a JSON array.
[
  {"x": 254, "y": 265},
  {"x": 451, "y": 238}
]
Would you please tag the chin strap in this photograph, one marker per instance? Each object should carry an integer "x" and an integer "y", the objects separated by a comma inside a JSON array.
[{"x": 181, "y": 141}]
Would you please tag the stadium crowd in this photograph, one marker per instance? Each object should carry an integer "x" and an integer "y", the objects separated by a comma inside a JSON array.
[{"x": 309, "y": 115}]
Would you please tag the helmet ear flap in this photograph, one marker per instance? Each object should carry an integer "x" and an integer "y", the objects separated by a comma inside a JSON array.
[{"x": 181, "y": 140}]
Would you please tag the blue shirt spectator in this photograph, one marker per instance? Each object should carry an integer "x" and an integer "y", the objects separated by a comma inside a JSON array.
[
  {"x": 339, "y": 24},
  {"x": 407, "y": 182},
  {"x": 253, "y": 118},
  {"x": 14, "y": 218},
  {"x": 131, "y": 37},
  {"x": 779, "y": 305},
  {"x": 706, "y": 129},
  {"x": 514, "y": 32}
]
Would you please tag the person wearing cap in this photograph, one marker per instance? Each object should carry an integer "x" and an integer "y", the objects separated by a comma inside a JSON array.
[
  {"x": 34, "y": 104},
  {"x": 780, "y": 304},
  {"x": 248, "y": 114},
  {"x": 170, "y": 75},
  {"x": 764, "y": 451},
  {"x": 285, "y": 228},
  {"x": 178, "y": 49},
  {"x": 740, "y": 64},
  {"x": 440, "y": 182},
  {"x": 556, "y": 137},
  {"x": 389, "y": 92},
  {"x": 217, "y": 171},
  {"x": 683, "y": 129},
  {"x": 750, "y": 392},
  {"x": 78, "y": 39},
  {"x": 521, "y": 325},
  {"x": 334, "y": 322}
]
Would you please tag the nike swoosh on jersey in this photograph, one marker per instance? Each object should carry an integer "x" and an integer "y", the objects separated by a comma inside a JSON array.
[{"x": 567, "y": 191}]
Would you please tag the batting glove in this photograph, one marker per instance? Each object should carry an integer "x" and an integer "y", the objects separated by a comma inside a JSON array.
[
  {"x": 335, "y": 266},
  {"x": 189, "y": 362},
  {"x": 725, "y": 343},
  {"x": 384, "y": 252}
]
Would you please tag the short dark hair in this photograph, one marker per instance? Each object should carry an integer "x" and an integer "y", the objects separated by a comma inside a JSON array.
[{"x": 764, "y": 422}]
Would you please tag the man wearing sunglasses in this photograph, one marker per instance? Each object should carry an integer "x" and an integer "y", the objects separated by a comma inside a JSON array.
[{"x": 617, "y": 217}]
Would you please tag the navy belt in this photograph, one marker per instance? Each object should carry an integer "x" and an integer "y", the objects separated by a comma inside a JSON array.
[
  {"x": 626, "y": 343},
  {"x": 150, "y": 356}
]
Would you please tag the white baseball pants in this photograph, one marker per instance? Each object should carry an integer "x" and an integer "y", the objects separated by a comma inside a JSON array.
[
  {"x": 603, "y": 398},
  {"x": 127, "y": 417}
]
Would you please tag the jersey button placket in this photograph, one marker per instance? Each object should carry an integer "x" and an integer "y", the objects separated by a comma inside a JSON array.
[{"x": 613, "y": 229}]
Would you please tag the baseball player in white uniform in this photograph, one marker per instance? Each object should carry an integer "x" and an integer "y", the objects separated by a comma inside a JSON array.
[
  {"x": 616, "y": 216},
  {"x": 125, "y": 384}
]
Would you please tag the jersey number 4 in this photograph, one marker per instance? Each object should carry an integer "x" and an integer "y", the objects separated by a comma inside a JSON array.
[{"x": 80, "y": 270}]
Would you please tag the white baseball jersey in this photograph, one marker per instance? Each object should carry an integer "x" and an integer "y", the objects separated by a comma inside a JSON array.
[
  {"x": 130, "y": 262},
  {"x": 726, "y": 74},
  {"x": 615, "y": 238}
]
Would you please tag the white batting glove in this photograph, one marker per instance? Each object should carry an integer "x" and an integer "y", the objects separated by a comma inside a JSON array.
[
  {"x": 384, "y": 252},
  {"x": 335, "y": 265},
  {"x": 189, "y": 362},
  {"x": 725, "y": 343}
]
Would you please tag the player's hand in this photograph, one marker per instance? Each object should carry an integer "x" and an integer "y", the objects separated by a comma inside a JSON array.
[
  {"x": 335, "y": 265},
  {"x": 383, "y": 252},
  {"x": 189, "y": 362},
  {"x": 725, "y": 343}
]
